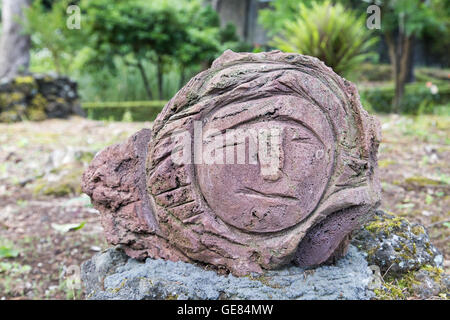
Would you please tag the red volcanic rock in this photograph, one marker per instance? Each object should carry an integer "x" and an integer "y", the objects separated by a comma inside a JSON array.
[{"x": 262, "y": 160}]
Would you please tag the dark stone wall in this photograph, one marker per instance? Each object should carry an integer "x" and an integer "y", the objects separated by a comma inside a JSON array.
[{"x": 38, "y": 97}]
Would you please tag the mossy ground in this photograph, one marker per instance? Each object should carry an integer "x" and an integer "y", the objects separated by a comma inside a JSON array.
[{"x": 67, "y": 183}]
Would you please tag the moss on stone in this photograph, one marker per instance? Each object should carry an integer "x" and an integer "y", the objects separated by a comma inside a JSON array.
[
  {"x": 385, "y": 225},
  {"x": 39, "y": 102},
  {"x": 122, "y": 284},
  {"x": 9, "y": 116},
  {"x": 389, "y": 292},
  {"x": 372, "y": 251},
  {"x": 428, "y": 248},
  {"x": 26, "y": 98},
  {"x": 24, "y": 80},
  {"x": 264, "y": 280},
  {"x": 404, "y": 287},
  {"x": 36, "y": 115},
  {"x": 9, "y": 98},
  {"x": 435, "y": 272},
  {"x": 36, "y": 110},
  {"x": 25, "y": 84},
  {"x": 418, "y": 230}
]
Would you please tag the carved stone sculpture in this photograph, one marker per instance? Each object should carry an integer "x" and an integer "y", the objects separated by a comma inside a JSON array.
[{"x": 262, "y": 160}]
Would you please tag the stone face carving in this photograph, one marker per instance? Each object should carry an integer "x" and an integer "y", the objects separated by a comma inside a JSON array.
[{"x": 262, "y": 160}]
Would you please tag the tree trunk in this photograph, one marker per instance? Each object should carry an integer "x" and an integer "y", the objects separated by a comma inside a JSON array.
[
  {"x": 399, "y": 48},
  {"x": 404, "y": 63},
  {"x": 159, "y": 66},
  {"x": 145, "y": 79},
  {"x": 14, "y": 44},
  {"x": 410, "y": 77}
]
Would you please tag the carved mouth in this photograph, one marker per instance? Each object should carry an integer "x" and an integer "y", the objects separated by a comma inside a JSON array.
[{"x": 255, "y": 193}]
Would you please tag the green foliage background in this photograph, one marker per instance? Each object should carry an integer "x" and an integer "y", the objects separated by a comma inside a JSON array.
[
  {"x": 122, "y": 42},
  {"x": 330, "y": 32},
  {"x": 146, "y": 50}
]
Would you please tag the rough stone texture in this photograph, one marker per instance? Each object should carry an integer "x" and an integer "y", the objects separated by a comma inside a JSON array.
[
  {"x": 38, "y": 97},
  {"x": 112, "y": 275},
  {"x": 396, "y": 245},
  {"x": 426, "y": 283},
  {"x": 245, "y": 217}
]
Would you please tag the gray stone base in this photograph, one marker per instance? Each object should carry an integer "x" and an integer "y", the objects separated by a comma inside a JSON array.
[{"x": 112, "y": 275}]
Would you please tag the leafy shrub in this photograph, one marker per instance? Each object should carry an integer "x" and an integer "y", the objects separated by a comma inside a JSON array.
[
  {"x": 432, "y": 74},
  {"x": 332, "y": 33},
  {"x": 418, "y": 99},
  {"x": 374, "y": 72}
]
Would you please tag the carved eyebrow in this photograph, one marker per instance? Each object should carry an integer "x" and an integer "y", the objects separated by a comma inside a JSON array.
[
  {"x": 304, "y": 140},
  {"x": 300, "y": 137}
]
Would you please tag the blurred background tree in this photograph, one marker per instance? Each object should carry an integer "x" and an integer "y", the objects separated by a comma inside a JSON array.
[
  {"x": 163, "y": 40},
  {"x": 46, "y": 22},
  {"x": 14, "y": 44},
  {"x": 327, "y": 29},
  {"x": 135, "y": 31},
  {"x": 275, "y": 17},
  {"x": 402, "y": 22}
]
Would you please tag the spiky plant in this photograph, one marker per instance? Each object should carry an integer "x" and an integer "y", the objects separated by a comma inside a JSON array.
[{"x": 330, "y": 32}]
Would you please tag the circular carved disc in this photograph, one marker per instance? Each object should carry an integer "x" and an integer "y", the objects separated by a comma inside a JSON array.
[{"x": 252, "y": 193}]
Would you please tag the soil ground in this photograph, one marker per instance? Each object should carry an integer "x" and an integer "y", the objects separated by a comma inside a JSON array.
[{"x": 45, "y": 234}]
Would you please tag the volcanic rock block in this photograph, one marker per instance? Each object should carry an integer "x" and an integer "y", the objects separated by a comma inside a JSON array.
[
  {"x": 395, "y": 245},
  {"x": 262, "y": 160},
  {"x": 111, "y": 275}
]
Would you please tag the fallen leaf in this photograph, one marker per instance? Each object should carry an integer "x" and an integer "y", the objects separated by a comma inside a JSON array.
[
  {"x": 7, "y": 252},
  {"x": 63, "y": 228}
]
